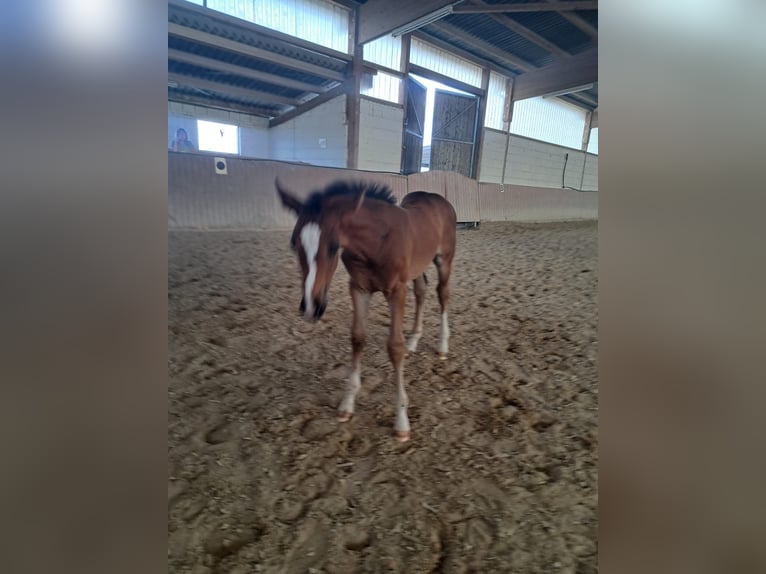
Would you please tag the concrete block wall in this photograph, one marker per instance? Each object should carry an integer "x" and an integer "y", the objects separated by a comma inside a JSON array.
[
  {"x": 300, "y": 139},
  {"x": 535, "y": 163},
  {"x": 380, "y": 136},
  {"x": 253, "y": 130}
]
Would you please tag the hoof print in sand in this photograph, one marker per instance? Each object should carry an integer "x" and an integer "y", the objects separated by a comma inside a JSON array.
[
  {"x": 356, "y": 537},
  {"x": 314, "y": 486},
  {"x": 289, "y": 509},
  {"x": 332, "y": 505},
  {"x": 218, "y": 434},
  {"x": 221, "y": 544},
  {"x": 316, "y": 429}
]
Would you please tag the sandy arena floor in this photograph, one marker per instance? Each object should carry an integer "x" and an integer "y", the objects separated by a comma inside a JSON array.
[{"x": 500, "y": 474}]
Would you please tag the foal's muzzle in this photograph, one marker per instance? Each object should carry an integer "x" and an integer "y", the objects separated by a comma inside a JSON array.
[{"x": 318, "y": 311}]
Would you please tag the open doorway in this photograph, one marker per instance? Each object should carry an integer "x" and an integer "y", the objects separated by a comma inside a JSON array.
[{"x": 440, "y": 131}]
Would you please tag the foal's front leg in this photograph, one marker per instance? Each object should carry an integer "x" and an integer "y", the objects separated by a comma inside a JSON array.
[
  {"x": 396, "y": 354},
  {"x": 361, "y": 301},
  {"x": 419, "y": 286}
]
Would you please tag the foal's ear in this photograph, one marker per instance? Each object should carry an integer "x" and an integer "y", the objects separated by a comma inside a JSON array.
[
  {"x": 359, "y": 201},
  {"x": 288, "y": 199}
]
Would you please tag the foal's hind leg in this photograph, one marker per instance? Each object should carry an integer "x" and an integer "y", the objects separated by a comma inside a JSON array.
[
  {"x": 444, "y": 267},
  {"x": 396, "y": 354},
  {"x": 361, "y": 301},
  {"x": 419, "y": 286}
]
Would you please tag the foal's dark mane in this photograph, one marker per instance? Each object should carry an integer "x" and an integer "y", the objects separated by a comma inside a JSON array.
[{"x": 315, "y": 202}]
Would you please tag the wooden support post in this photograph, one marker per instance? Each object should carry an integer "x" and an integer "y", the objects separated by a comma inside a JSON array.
[
  {"x": 586, "y": 131},
  {"x": 479, "y": 139},
  {"x": 352, "y": 96},
  {"x": 507, "y": 117},
  {"x": 403, "y": 95}
]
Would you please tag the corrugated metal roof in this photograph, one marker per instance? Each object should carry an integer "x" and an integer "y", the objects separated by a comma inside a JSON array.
[
  {"x": 481, "y": 34},
  {"x": 489, "y": 30},
  {"x": 464, "y": 45},
  {"x": 245, "y": 61},
  {"x": 202, "y": 69},
  {"x": 231, "y": 79},
  {"x": 182, "y": 93},
  {"x": 590, "y": 16},
  {"x": 244, "y": 34},
  {"x": 554, "y": 28}
]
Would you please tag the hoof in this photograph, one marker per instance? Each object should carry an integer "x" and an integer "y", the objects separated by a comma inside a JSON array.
[
  {"x": 401, "y": 436},
  {"x": 343, "y": 417},
  {"x": 443, "y": 356}
]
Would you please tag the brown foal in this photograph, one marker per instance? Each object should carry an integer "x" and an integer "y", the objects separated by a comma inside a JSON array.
[{"x": 384, "y": 246}]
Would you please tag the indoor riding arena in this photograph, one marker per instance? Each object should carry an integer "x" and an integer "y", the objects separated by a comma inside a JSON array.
[{"x": 500, "y": 471}]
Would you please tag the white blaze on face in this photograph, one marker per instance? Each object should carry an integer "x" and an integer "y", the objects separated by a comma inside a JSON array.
[{"x": 310, "y": 242}]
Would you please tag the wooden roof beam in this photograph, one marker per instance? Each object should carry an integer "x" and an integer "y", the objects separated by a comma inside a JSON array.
[
  {"x": 571, "y": 73},
  {"x": 250, "y": 73},
  {"x": 312, "y": 103},
  {"x": 525, "y": 32},
  {"x": 577, "y": 21},
  {"x": 478, "y": 60},
  {"x": 550, "y": 6},
  {"x": 251, "y": 51},
  {"x": 216, "y": 16},
  {"x": 485, "y": 47},
  {"x": 441, "y": 78},
  {"x": 217, "y": 104},
  {"x": 229, "y": 90},
  {"x": 577, "y": 103}
]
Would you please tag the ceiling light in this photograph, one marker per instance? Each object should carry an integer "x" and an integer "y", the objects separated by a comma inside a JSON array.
[
  {"x": 422, "y": 21},
  {"x": 574, "y": 90}
]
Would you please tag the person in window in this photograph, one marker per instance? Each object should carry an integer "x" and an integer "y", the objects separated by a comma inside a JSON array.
[{"x": 182, "y": 142}]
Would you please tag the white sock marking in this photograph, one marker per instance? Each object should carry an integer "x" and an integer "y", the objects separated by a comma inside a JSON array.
[
  {"x": 402, "y": 423},
  {"x": 310, "y": 242},
  {"x": 444, "y": 334},
  {"x": 412, "y": 342},
  {"x": 354, "y": 384}
]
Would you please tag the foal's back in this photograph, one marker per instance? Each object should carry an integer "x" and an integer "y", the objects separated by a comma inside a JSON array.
[{"x": 433, "y": 222}]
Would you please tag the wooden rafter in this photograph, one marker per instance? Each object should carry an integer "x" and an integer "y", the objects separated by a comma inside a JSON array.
[
  {"x": 483, "y": 62},
  {"x": 577, "y": 21},
  {"x": 576, "y": 71},
  {"x": 485, "y": 47},
  {"x": 437, "y": 77},
  {"x": 549, "y": 6},
  {"x": 251, "y": 51},
  {"x": 257, "y": 30},
  {"x": 210, "y": 102},
  {"x": 250, "y": 73},
  {"x": 577, "y": 103},
  {"x": 311, "y": 104},
  {"x": 524, "y": 32},
  {"x": 587, "y": 99},
  {"x": 229, "y": 90}
]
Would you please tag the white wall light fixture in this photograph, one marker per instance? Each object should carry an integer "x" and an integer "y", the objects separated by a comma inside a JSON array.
[
  {"x": 422, "y": 21},
  {"x": 568, "y": 91}
]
